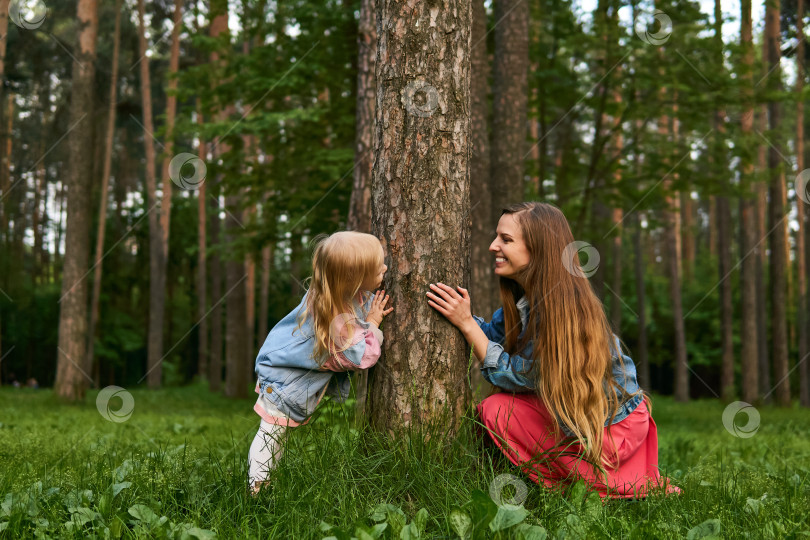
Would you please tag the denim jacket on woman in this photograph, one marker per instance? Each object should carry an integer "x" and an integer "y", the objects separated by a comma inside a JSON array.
[
  {"x": 294, "y": 381},
  {"x": 511, "y": 372}
]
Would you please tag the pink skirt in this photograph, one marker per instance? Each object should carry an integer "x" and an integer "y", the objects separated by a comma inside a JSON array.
[{"x": 524, "y": 430}]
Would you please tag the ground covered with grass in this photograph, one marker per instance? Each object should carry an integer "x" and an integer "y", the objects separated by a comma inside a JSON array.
[{"x": 176, "y": 468}]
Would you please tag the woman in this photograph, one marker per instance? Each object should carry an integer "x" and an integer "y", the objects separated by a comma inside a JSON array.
[{"x": 570, "y": 406}]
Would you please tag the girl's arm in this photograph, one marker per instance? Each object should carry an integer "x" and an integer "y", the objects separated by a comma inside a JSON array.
[
  {"x": 365, "y": 344},
  {"x": 362, "y": 353}
]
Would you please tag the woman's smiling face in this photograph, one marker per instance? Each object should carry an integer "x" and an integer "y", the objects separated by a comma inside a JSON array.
[{"x": 511, "y": 253}]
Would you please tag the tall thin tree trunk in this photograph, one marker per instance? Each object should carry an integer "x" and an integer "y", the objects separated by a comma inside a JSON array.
[
  {"x": 484, "y": 282},
  {"x": 219, "y": 24},
  {"x": 360, "y": 204},
  {"x": 157, "y": 284},
  {"x": 71, "y": 369},
  {"x": 4, "y": 158},
  {"x": 510, "y": 76},
  {"x": 672, "y": 258},
  {"x": 638, "y": 266},
  {"x": 687, "y": 235},
  {"x": 215, "y": 316},
  {"x": 723, "y": 215},
  {"x": 727, "y": 390},
  {"x": 802, "y": 319},
  {"x": 202, "y": 262},
  {"x": 761, "y": 206},
  {"x": 421, "y": 207},
  {"x": 105, "y": 184},
  {"x": 777, "y": 217},
  {"x": 748, "y": 241}
]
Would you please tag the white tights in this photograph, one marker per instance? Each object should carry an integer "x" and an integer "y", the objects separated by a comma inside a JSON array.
[{"x": 265, "y": 451}]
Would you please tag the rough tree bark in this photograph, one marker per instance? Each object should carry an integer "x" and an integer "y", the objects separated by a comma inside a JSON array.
[
  {"x": 420, "y": 207},
  {"x": 71, "y": 369}
]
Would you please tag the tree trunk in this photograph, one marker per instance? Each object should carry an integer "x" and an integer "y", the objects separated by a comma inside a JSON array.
[
  {"x": 202, "y": 263},
  {"x": 105, "y": 184},
  {"x": 157, "y": 278},
  {"x": 171, "y": 112},
  {"x": 421, "y": 208},
  {"x": 762, "y": 296},
  {"x": 749, "y": 248},
  {"x": 71, "y": 370},
  {"x": 219, "y": 24},
  {"x": 687, "y": 235},
  {"x": 215, "y": 315},
  {"x": 712, "y": 226},
  {"x": 236, "y": 344},
  {"x": 672, "y": 257},
  {"x": 777, "y": 216},
  {"x": 5, "y": 183},
  {"x": 641, "y": 353},
  {"x": 801, "y": 262},
  {"x": 723, "y": 212},
  {"x": 483, "y": 289},
  {"x": 510, "y": 74},
  {"x": 264, "y": 294},
  {"x": 360, "y": 204}
]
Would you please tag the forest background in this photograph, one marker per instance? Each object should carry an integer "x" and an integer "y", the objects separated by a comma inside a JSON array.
[{"x": 209, "y": 142}]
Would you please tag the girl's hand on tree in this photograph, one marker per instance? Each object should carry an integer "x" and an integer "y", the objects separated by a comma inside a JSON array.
[
  {"x": 378, "y": 310},
  {"x": 455, "y": 306}
]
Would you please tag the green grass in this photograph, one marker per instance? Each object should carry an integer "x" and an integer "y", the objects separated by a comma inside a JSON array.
[{"x": 177, "y": 468}]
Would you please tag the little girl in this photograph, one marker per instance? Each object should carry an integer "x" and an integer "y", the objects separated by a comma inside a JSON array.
[{"x": 335, "y": 329}]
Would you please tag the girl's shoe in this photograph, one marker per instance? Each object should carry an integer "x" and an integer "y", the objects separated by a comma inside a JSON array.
[{"x": 257, "y": 487}]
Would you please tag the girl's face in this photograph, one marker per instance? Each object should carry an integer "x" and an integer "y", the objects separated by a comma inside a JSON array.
[
  {"x": 511, "y": 253},
  {"x": 373, "y": 283}
]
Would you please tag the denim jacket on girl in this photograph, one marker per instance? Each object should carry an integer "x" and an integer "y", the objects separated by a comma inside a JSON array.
[
  {"x": 294, "y": 381},
  {"x": 509, "y": 372}
]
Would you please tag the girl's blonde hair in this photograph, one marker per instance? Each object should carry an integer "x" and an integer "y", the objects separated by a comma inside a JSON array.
[
  {"x": 572, "y": 340},
  {"x": 341, "y": 262}
]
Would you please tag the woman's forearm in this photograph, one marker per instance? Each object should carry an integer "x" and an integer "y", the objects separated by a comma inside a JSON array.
[{"x": 476, "y": 338}]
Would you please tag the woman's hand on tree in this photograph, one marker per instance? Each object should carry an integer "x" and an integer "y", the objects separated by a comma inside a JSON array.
[
  {"x": 453, "y": 304},
  {"x": 377, "y": 310}
]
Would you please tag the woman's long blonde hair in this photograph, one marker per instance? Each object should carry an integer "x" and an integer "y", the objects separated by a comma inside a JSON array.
[
  {"x": 341, "y": 262},
  {"x": 571, "y": 336}
]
